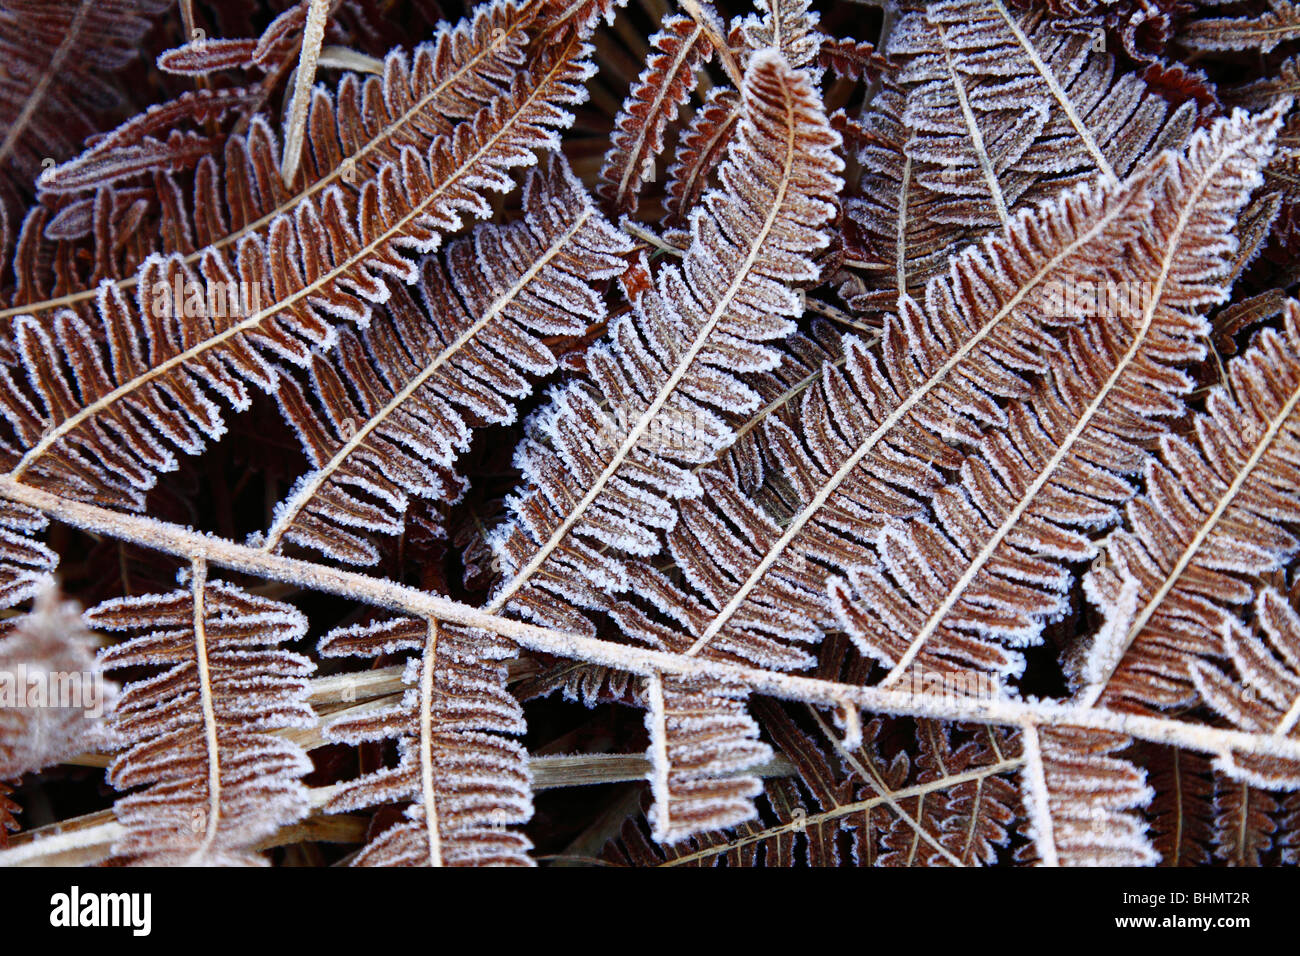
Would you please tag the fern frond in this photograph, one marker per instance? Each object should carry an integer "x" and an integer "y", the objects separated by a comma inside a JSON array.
[
  {"x": 682, "y": 47},
  {"x": 789, "y": 26},
  {"x": 1264, "y": 694},
  {"x": 1024, "y": 502},
  {"x": 1214, "y": 517},
  {"x": 625, "y": 460},
  {"x": 1082, "y": 801},
  {"x": 951, "y": 807},
  {"x": 1245, "y": 824},
  {"x": 398, "y": 401},
  {"x": 1181, "y": 811},
  {"x": 59, "y": 57},
  {"x": 353, "y": 136},
  {"x": 670, "y": 366},
  {"x": 986, "y": 115},
  {"x": 1279, "y": 24},
  {"x": 134, "y": 148},
  {"x": 26, "y": 565},
  {"x": 467, "y": 781},
  {"x": 701, "y": 148},
  {"x": 101, "y": 424},
  {"x": 701, "y": 742},
  {"x": 198, "y": 732}
]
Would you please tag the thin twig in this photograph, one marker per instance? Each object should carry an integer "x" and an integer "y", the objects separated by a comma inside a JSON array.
[{"x": 313, "y": 34}]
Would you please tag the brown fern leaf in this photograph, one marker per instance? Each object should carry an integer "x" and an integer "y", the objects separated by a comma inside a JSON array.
[
  {"x": 672, "y": 360},
  {"x": 748, "y": 461},
  {"x": 1242, "y": 315},
  {"x": 851, "y": 59},
  {"x": 1245, "y": 826},
  {"x": 1279, "y": 25},
  {"x": 749, "y": 844},
  {"x": 680, "y": 48},
  {"x": 869, "y": 434},
  {"x": 700, "y": 149},
  {"x": 198, "y": 733},
  {"x": 1082, "y": 800},
  {"x": 605, "y": 476},
  {"x": 59, "y": 56},
  {"x": 987, "y": 114},
  {"x": 789, "y": 26},
  {"x": 26, "y": 565},
  {"x": 468, "y": 783},
  {"x": 701, "y": 742},
  {"x": 1264, "y": 695},
  {"x": 352, "y": 138},
  {"x": 99, "y": 424},
  {"x": 203, "y": 56},
  {"x": 959, "y": 596},
  {"x": 1181, "y": 812},
  {"x": 580, "y": 15},
  {"x": 397, "y": 402},
  {"x": 1213, "y": 518},
  {"x": 1259, "y": 93},
  {"x": 1024, "y": 503},
  {"x": 950, "y": 808},
  {"x": 135, "y": 149},
  {"x": 969, "y": 817},
  {"x": 786, "y": 25}
]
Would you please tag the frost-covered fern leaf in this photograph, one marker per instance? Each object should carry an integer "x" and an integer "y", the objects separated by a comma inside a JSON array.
[
  {"x": 1249, "y": 824},
  {"x": 52, "y": 691},
  {"x": 1257, "y": 94},
  {"x": 59, "y": 57},
  {"x": 869, "y": 437},
  {"x": 134, "y": 149},
  {"x": 351, "y": 136},
  {"x": 467, "y": 782},
  {"x": 1082, "y": 801},
  {"x": 700, "y": 149},
  {"x": 1180, "y": 816},
  {"x": 958, "y": 592},
  {"x": 789, "y": 26},
  {"x": 952, "y": 806},
  {"x": 25, "y": 564},
  {"x": 1279, "y": 24},
  {"x": 1215, "y": 517},
  {"x": 199, "y": 733},
  {"x": 681, "y": 47},
  {"x": 993, "y": 567},
  {"x": 395, "y": 404},
  {"x": 1263, "y": 695},
  {"x": 989, "y": 112},
  {"x": 701, "y": 742},
  {"x": 749, "y": 461},
  {"x": 102, "y": 404},
  {"x": 606, "y": 462}
]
